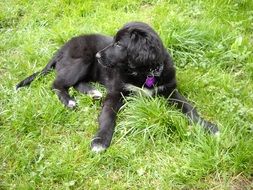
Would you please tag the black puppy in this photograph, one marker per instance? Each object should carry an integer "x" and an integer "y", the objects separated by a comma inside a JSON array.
[{"x": 135, "y": 57}]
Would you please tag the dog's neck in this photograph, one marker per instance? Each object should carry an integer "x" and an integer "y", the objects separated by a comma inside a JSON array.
[
  {"x": 148, "y": 79},
  {"x": 157, "y": 71},
  {"x": 153, "y": 75}
]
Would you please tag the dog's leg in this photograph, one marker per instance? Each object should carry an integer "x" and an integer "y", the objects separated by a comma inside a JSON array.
[
  {"x": 69, "y": 76},
  {"x": 191, "y": 112},
  {"x": 107, "y": 121},
  {"x": 85, "y": 88},
  {"x": 62, "y": 93}
]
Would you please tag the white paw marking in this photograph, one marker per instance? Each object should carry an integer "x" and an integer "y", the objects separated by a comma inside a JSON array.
[
  {"x": 217, "y": 134},
  {"x": 95, "y": 94},
  {"x": 98, "y": 148},
  {"x": 71, "y": 104}
]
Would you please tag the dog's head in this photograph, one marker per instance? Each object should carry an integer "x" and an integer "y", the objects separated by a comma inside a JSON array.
[{"x": 135, "y": 47}]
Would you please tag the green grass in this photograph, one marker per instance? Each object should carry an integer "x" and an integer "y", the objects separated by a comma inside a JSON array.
[{"x": 46, "y": 146}]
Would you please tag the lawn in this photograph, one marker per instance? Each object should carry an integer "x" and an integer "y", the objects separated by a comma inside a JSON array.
[{"x": 44, "y": 145}]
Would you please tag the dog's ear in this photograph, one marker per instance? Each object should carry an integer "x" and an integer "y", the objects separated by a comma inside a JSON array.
[{"x": 144, "y": 48}]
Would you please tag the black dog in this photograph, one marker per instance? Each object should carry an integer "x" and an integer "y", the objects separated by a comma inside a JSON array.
[{"x": 135, "y": 57}]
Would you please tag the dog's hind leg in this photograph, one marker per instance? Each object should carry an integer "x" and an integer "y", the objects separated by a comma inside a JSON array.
[
  {"x": 62, "y": 92},
  {"x": 67, "y": 77},
  {"x": 85, "y": 88},
  {"x": 191, "y": 112}
]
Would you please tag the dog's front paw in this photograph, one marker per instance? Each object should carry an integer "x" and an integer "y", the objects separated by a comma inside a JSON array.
[
  {"x": 101, "y": 142},
  {"x": 98, "y": 144},
  {"x": 71, "y": 104}
]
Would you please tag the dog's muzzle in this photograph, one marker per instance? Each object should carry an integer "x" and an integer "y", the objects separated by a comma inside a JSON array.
[
  {"x": 101, "y": 60},
  {"x": 98, "y": 56}
]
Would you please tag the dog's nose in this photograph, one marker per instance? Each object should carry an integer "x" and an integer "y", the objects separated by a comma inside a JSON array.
[{"x": 98, "y": 55}]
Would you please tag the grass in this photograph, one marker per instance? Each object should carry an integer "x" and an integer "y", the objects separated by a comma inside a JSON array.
[{"x": 46, "y": 146}]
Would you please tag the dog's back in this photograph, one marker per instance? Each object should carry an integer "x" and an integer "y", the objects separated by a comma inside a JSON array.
[{"x": 83, "y": 47}]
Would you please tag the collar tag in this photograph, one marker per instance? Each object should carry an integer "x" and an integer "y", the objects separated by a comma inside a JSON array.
[{"x": 150, "y": 81}]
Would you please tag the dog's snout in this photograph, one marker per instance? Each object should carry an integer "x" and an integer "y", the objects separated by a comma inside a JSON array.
[{"x": 98, "y": 55}]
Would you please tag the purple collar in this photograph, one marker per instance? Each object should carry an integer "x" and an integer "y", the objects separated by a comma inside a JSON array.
[
  {"x": 150, "y": 81},
  {"x": 151, "y": 77}
]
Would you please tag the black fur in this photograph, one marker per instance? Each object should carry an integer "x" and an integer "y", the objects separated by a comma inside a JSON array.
[{"x": 128, "y": 58}]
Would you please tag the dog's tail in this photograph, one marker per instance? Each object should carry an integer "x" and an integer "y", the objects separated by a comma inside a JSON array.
[{"x": 43, "y": 72}]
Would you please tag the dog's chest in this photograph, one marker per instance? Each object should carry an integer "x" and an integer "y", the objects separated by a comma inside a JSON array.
[{"x": 143, "y": 90}]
